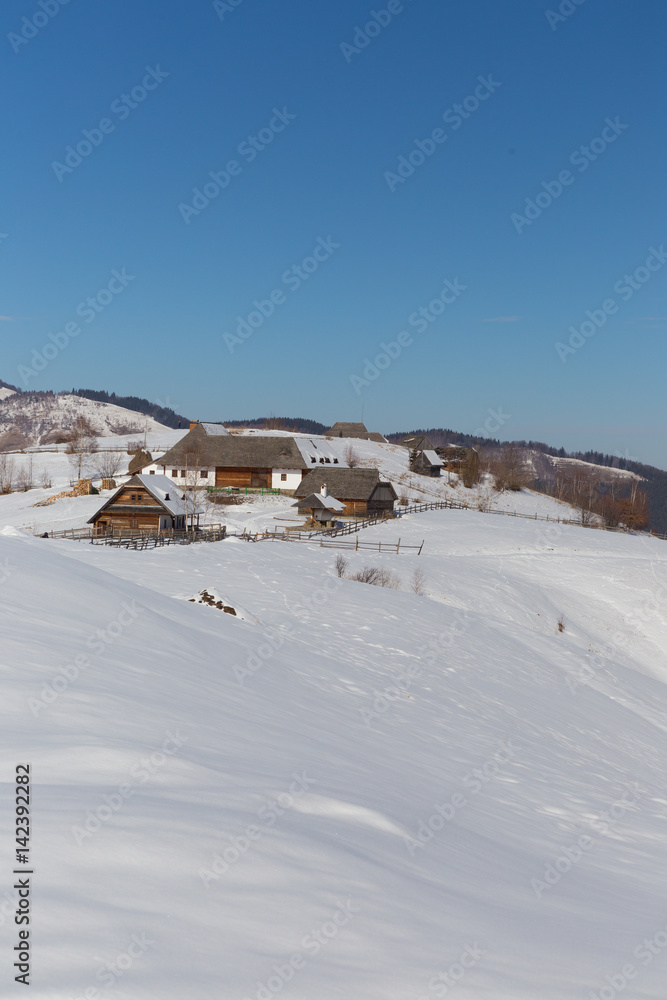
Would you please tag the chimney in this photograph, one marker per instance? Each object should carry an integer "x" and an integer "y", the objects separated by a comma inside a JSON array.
[
  {"x": 193, "y": 423},
  {"x": 166, "y": 496},
  {"x": 323, "y": 491}
]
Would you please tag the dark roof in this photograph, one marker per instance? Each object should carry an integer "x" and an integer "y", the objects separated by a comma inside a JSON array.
[
  {"x": 210, "y": 451},
  {"x": 139, "y": 461},
  {"x": 376, "y": 436},
  {"x": 417, "y": 441},
  {"x": 344, "y": 484},
  {"x": 341, "y": 429}
]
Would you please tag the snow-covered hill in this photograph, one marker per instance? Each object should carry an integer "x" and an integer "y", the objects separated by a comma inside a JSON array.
[
  {"x": 355, "y": 792},
  {"x": 40, "y": 416}
]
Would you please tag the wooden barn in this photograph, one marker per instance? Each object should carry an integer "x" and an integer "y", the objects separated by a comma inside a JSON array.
[
  {"x": 143, "y": 503},
  {"x": 360, "y": 490}
]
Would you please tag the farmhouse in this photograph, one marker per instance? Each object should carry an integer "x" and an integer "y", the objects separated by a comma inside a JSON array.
[
  {"x": 144, "y": 503},
  {"x": 209, "y": 456},
  {"x": 359, "y": 490}
]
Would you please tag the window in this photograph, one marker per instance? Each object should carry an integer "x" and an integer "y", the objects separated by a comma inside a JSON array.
[
  {"x": 152, "y": 472},
  {"x": 182, "y": 473},
  {"x": 204, "y": 474},
  {"x": 134, "y": 523},
  {"x": 283, "y": 477},
  {"x": 174, "y": 473}
]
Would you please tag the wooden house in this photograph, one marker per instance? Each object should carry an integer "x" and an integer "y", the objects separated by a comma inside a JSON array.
[
  {"x": 359, "y": 490},
  {"x": 144, "y": 503},
  {"x": 426, "y": 463}
]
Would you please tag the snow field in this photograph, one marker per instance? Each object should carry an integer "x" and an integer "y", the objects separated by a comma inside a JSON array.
[{"x": 355, "y": 791}]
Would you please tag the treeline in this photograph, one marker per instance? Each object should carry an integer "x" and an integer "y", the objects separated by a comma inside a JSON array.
[
  {"x": 163, "y": 414},
  {"x": 297, "y": 425}
]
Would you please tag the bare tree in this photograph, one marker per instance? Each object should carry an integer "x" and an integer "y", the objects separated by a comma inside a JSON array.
[
  {"x": 469, "y": 468},
  {"x": 351, "y": 457},
  {"x": 109, "y": 463},
  {"x": 418, "y": 582},
  {"x": 341, "y": 565},
  {"x": 509, "y": 470},
  {"x": 6, "y": 473},
  {"x": 82, "y": 444}
]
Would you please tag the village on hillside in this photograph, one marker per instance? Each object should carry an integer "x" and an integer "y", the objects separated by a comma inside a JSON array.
[{"x": 209, "y": 481}]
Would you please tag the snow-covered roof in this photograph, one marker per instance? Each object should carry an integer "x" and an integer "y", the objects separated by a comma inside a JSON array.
[
  {"x": 214, "y": 429},
  {"x": 319, "y": 452},
  {"x": 433, "y": 458},
  {"x": 318, "y": 500},
  {"x": 162, "y": 488}
]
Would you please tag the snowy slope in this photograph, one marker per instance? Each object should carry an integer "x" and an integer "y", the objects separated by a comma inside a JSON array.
[
  {"x": 268, "y": 781},
  {"x": 37, "y": 415}
]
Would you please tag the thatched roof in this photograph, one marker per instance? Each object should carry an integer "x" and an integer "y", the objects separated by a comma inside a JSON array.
[
  {"x": 344, "y": 484},
  {"x": 139, "y": 461},
  {"x": 342, "y": 429},
  {"x": 199, "y": 449}
]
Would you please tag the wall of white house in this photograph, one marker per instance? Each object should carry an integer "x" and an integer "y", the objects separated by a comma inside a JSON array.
[
  {"x": 290, "y": 482},
  {"x": 182, "y": 477}
]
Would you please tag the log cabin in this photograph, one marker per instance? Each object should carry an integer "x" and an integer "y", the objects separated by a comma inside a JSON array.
[
  {"x": 144, "y": 503},
  {"x": 360, "y": 490}
]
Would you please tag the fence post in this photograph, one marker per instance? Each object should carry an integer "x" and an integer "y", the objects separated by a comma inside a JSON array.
[
  {"x": 356, "y": 547},
  {"x": 421, "y": 547},
  {"x": 398, "y": 545}
]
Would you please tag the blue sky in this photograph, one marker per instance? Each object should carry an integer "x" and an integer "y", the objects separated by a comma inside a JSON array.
[{"x": 334, "y": 112}]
